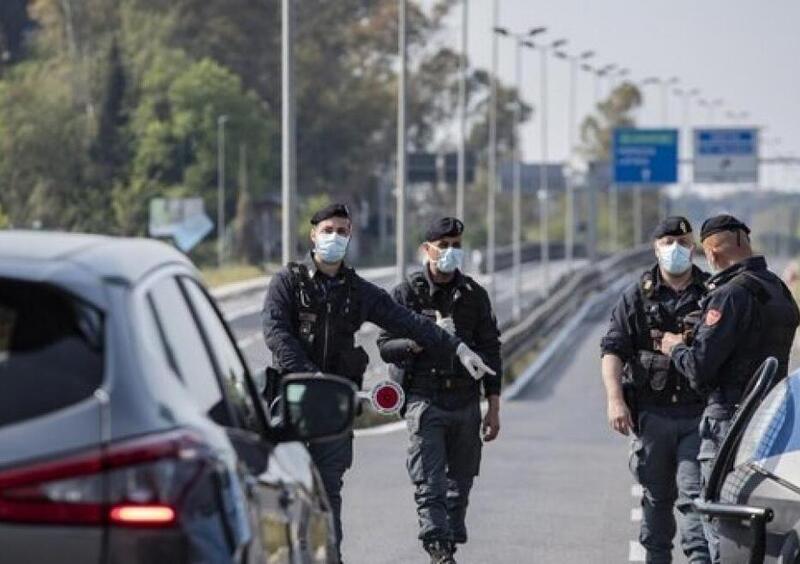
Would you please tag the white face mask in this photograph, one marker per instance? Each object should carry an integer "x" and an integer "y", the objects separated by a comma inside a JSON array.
[
  {"x": 449, "y": 260},
  {"x": 330, "y": 247},
  {"x": 675, "y": 259}
]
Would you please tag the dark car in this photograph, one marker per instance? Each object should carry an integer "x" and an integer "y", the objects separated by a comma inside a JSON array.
[
  {"x": 130, "y": 428},
  {"x": 754, "y": 489}
]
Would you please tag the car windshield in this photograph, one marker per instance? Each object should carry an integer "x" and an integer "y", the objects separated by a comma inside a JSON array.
[
  {"x": 772, "y": 431},
  {"x": 51, "y": 350}
]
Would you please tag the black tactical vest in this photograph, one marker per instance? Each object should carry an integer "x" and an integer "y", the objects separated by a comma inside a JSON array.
[
  {"x": 657, "y": 381},
  {"x": 327, "y": 323}
]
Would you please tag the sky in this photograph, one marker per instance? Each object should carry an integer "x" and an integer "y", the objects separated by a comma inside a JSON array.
[{"x": 744, "y": 52}]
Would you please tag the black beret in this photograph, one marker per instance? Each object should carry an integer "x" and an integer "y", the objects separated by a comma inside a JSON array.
[
  {"x": 675, "y": 225},
  {"x": 444, "y": 227},
  {"x": 720, "y": 223},
  {"x": 333, "y": 210}
]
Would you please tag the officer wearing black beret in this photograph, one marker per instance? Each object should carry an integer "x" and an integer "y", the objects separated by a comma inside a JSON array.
[
  {"x": 647, "y": 395},
  {"x": 311, "y": 313},
  {"x": 443, "y": 406},
  {"x": 748, "y": 315}
]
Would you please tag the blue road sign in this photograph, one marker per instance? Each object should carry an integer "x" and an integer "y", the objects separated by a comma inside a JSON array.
[
  {"x": 645, "y": 156},
  {"x": 728, "y": 155}
]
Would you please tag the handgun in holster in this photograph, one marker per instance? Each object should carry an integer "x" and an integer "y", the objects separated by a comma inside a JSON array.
[
  {"x": 272, "y": 389},
  {"x": 631, "y": 396}
]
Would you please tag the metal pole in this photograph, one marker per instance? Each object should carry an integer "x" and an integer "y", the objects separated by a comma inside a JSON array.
[
  {"x": 400, "y": 227},
  {"x": 664, "y": 102},
  {"x": 462, "y": 113},
  {"x": 543, "y": 180},
  {"x": 492, "y": 180},
  {"x": 288, "y": 153},
  {"x": 613, "y": 194},
  {"x": 516, "y": 222},
  {"x": 569, "y": 224},
  {"x": 637, "y": 215},
  {"x": 221, "y": 120}
]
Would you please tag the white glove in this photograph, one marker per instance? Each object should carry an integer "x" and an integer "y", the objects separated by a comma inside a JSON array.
[
  {"x": 473, "y": 362},
  {"x": 446, "y": 323}
]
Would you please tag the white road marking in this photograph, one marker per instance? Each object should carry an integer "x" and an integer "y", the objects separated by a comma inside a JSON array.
[
  {"x": 636, "y": 514},
  {"x": 231, "y": 316},
  {"x": 637, "y": 491},
  {"x": 245, "y": 342},
  {"x": 636, "y": 552},
  {"x": 381, "y": 429}
]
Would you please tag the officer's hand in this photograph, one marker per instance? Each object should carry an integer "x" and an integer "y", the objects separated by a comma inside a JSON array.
[
  {"x": 491, "y": 425},
  {"x": 446, "y": 323},
  {"x": 415, "y": 348},
  {"x": 619, "y": 417},
  {"x": 668, "y": 342},
  {"x": 473, "y": 362}
]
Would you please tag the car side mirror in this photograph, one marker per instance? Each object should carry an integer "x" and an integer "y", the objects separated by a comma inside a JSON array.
[{"x": 316, "y": 407}]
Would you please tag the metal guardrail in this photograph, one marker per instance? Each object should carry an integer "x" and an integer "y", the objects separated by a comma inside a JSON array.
[{"x": 570, "y": 292}]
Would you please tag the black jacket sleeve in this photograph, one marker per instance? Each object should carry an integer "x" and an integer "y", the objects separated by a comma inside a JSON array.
[
  {"x": 383, "y": 311},
  {"x": 718, "y": 336},
  {"x": 620, "y": 339},
  {"x": 280, "y": 330},
  {"x": 487, "y": 344},
  {"x": 393, "y": 348}
]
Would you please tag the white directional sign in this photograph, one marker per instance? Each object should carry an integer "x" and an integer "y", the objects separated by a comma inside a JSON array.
[{"x": 726, "y": 155}]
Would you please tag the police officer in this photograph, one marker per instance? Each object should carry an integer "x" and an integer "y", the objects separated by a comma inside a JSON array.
[
  {"x": 311, "y": 313},
  {"x": 443, "y": 407},
  {"x": 648, "y": 396},
  {"x": 748, "y": 315}
]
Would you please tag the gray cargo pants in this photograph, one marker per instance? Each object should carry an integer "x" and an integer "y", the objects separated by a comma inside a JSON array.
[
  {"x": 664, "y": 462},
  {"x": 444, "y": 456},
  {"x": 712, "y": 433},
  {"x": 333, "y": 459}
]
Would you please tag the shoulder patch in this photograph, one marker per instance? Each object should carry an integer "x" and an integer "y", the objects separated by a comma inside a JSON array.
[{"x": 712, "y": 317}]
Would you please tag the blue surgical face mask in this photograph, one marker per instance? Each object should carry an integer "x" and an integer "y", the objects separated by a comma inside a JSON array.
[
  {"x": 330, "y": 247},
  {"x": 675, "y": 258},
  {"x": 449, "y": 260}
]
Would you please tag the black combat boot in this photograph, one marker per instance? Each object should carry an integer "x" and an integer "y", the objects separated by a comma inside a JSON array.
[{"x": 441, "y": 552}]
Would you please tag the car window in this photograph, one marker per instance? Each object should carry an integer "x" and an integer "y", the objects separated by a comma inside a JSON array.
[
  {"x": 232, "y": 369},
  {"x": 773, "y": 429},
  {"x": 51, "y": 350},
  {"x": 185, "y": 348}
]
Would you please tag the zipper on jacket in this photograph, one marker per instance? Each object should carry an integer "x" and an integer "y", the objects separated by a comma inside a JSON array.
[{"x": 325, "y": 346}]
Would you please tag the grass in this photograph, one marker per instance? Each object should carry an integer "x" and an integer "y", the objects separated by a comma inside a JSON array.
[{"x": 214, "y": 276}]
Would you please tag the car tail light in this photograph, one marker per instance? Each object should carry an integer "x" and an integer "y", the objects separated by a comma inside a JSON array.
[{"x": 138, "y": 482}]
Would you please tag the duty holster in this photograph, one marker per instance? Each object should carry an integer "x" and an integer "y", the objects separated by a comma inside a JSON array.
[
  {"x": 352, "y": 365},
  {"x": 272, "y": 389},
  {"x": 630, "y": 394}
]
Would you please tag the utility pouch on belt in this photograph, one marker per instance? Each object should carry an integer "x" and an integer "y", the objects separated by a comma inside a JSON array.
[
  {"x": 651, "y": 369},
  {"x": 631, "y": 398},
  {"x": 273, "y": 387},
  {"x": 352, "y": 365}
]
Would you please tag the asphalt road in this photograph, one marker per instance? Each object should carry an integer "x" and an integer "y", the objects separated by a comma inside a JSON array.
[{"x": 554, "y": 488}]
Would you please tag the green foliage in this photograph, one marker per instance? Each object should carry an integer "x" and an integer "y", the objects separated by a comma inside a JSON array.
[{"x": 615, "y": 111}]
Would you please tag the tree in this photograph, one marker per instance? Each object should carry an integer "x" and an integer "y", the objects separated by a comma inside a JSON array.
[{"x": 615, "y": 111}]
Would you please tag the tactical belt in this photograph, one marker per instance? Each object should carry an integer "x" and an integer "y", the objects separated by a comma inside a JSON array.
[{"x": 441, "y": 383}]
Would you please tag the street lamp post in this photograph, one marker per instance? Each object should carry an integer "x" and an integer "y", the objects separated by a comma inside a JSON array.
[
  {"x": 569, "y": 220},
  {"x": 491, "y": 230},
  {"x": 462, "y": 113},
  {"x": 686, "y": 96},
  {"x": 221, "y": 121},
  {"x": 516, "y": 216},
  {"x": 288, "y": 147},
  {"x": 400, "y": 227},
  {"x": 543, "y": 195}
]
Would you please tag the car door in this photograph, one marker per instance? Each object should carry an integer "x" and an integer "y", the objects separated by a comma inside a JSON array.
[
  {"x": 268, "y": 498},
  {"x": 186, "y": 345}
]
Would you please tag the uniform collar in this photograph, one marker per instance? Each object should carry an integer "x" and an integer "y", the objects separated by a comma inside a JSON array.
[
  {"x": 457, "y": 281},
  {"x": 698, "y": 279},
  {"x": 313, "y": 271},
  {"x": 751, "y": 264}
]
